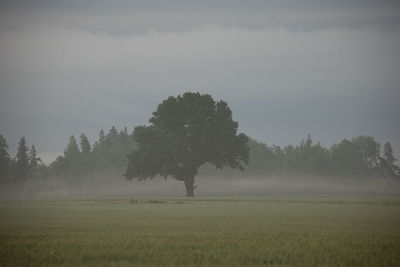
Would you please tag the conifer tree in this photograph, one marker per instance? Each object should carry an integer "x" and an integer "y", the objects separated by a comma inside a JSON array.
[
  {"x": 33, "y": 159},
  {"x": 102, "y": 136},
  {"x": 124, "y": 132},
  {"x": 85, "y": 145},
  {"x": 112, "y": 133},
  {"x": 388, "y": 164},
  {"x": 388, "y": 153},
  {"x": 21, "y": 166},
  {"x": 4, "y": 160},
  {"x": 72, "y": 148}
]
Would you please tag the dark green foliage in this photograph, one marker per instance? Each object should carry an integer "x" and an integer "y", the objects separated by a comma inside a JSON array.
[
  {"x": 102, "y": 136},
  {"x": 186, "y": 132},
  {"x": 347, "y": 158},
  {"x": 72, "y": 148},
  {"x": 390, "y": 169},
  {"x": 108, "y": 153},
  {"x": 85, "y": 145},
  {"x": 356, "y": 158},
  {"x": 33, "y": 159},
  {"x": 21, "y": 163},
  {"x": 369, "y": 149},
  {"x": 388, "y": 153},
  {"x": 262, "y": 157},
  {"x": 113, "y": 133},
  {"x": 71, "y": 164},
  {"x": 25, "y": 166},
  {"x": 4, "y": 160},
  {"x": 37, "y": 169}
]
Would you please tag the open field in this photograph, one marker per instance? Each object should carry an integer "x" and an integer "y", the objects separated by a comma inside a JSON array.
[{"x": 300, "y": 230}]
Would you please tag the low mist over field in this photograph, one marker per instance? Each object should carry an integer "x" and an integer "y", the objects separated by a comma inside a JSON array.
[{"x": 217, "y": 186}]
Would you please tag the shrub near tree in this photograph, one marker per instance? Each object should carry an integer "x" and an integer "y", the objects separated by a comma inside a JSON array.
[{"x": 186, "y": 132}]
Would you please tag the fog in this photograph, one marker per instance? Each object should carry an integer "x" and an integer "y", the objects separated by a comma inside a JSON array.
[{"x": 109, "y": 186}]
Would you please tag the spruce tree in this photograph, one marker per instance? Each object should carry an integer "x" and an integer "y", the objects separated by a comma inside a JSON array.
[
  {"x": 124, "y": 132},
  {"x": 4, "y": 160},
  {"x": 72, "y": 148},
  {"x": 388, "y": 153},
  {"x": 33, "y": 159},
  {"x": 111, "y": 137},
  {"x": 113, "y": 132},
  {"x": 85, "y": 145},
  {"x": 21, "y": 166},
  {"x": 388, "y": 162},
  {"x": 102, "y": 136}
]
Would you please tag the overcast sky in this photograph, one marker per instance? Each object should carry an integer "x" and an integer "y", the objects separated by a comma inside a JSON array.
[{"x": 286, "y": 68}]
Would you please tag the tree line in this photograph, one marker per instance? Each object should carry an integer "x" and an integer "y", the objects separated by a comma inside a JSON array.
[
  {"x": 24, "y": 166},
  {"x": 358, "y": 157},
  {"x": 109, "y": 152},
  {"x": 80, "y": 158}
]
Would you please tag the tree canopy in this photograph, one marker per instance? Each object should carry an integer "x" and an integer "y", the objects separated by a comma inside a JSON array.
[{"x": 185, "y": 132}]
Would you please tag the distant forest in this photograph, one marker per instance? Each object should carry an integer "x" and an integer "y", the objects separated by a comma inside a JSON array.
[{"x": 361, "y": 156}]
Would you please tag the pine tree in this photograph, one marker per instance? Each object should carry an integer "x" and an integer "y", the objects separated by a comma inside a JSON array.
[
  {"x": 72, "y": 148},
  {"x": 21, "y": 167},
  {"x": 124, "y": 132},
  {"x": 388, "y": 162},
  {"x": 4, "y": 160},
  {"x": 85, "y": 145},
  {"x": 388, "y": 153},
  {"x": 112, "y": 133},
  {"x": 102, "y": 136},
  {"x": 33, "y": 159}
]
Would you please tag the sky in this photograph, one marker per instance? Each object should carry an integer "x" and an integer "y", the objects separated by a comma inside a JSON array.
[{"x": 286, "y": 68}]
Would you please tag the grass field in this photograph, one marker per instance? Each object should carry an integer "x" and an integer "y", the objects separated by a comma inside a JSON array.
[{"x": 299, "y": 230}]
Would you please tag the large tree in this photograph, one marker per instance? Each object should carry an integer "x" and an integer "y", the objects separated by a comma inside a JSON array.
[{"x": 186, "y": 132}]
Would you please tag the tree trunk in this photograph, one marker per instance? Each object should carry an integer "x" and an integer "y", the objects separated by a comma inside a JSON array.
[{"x": 189, "y": 184}]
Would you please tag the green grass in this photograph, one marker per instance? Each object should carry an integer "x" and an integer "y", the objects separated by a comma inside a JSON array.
[{"x": 299, "y": 230}]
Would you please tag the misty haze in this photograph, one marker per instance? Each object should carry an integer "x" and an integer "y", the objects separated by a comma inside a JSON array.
[{"x": 199, "y": 133}]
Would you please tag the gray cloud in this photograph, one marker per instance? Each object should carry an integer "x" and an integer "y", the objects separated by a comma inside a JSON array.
[{"x": 286, "y": 68}]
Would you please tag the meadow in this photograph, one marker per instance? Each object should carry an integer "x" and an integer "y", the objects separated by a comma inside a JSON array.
[{"x": 295, "y": 230}]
